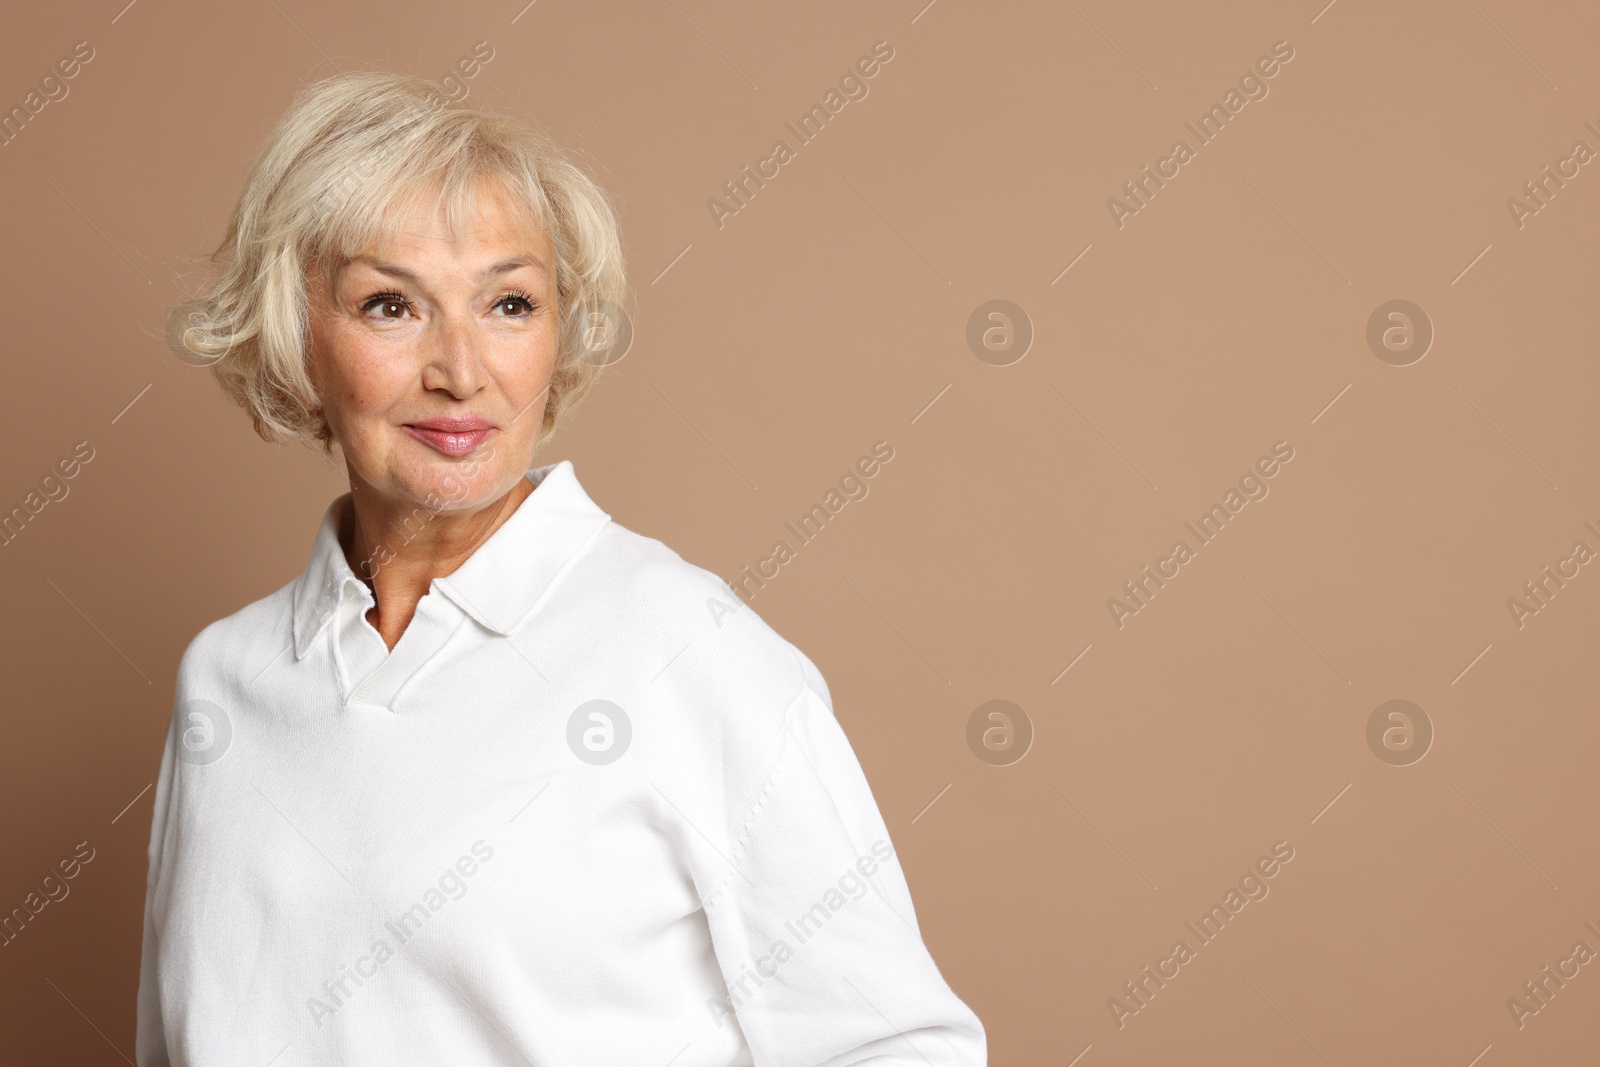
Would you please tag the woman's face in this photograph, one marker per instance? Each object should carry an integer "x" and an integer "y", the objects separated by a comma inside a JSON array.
[{"x": 431, "y": 358}]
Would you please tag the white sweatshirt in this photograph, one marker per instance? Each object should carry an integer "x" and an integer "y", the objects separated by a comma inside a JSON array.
[{"x": 590, "y": 810}]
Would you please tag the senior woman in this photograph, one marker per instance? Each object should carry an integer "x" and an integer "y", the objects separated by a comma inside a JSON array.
[{"x": 494, "y": 780}]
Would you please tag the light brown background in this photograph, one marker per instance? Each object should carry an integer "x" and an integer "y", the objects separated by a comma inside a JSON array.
[{"x": 827, "y": 315}]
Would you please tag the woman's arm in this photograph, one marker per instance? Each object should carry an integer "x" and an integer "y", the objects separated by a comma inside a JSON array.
[
  {"x": 814, "y": 928},
  {"x": 150, "y": 1039}
]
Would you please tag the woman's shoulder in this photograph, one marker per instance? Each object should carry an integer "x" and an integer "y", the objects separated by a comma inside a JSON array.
[
  {"x": 726, "y": 692},
  {"x": 241, "y": 636},
  {"x": 719, "y": 641}
]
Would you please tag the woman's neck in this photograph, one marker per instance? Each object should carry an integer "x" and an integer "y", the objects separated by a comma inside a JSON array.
[{"x": 399, "y": 547}]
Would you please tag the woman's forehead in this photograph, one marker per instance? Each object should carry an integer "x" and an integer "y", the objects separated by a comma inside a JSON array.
[{"x": 484, "y": 216}]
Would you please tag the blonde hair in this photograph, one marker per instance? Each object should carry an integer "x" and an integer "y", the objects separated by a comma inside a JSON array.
[{"x": 325, "y": 187}]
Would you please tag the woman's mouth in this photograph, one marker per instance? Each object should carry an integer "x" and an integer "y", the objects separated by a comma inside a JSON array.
[{"x": 452, "y": 436}]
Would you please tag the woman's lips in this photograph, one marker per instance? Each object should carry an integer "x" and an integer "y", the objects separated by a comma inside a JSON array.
[{"x": 450, "y": 442}]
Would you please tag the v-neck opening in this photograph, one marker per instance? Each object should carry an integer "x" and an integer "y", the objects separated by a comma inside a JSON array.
[{"x": 374, "y": 675}]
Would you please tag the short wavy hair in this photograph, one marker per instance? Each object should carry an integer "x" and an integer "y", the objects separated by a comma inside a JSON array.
[{"x": 349, "y": 152}]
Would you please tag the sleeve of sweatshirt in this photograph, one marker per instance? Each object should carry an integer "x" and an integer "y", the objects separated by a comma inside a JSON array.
[
  {"x": 150, "y": 1039},
  {"x": 814, "y": 929}
]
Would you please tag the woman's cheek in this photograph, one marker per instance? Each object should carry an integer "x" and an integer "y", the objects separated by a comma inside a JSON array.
[{"x": 375, "y": 380}]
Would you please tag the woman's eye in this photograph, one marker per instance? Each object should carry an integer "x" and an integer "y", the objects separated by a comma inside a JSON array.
[
  {"x": 387, "y": 307},
  {"x": 515, "y": 306}
]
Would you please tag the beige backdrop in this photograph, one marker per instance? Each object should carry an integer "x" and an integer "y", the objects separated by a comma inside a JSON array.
[{"x": 1176, "y": 340}]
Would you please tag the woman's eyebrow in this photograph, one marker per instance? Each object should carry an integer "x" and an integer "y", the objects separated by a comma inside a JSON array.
[
  {"x": 527, "y": 259},
  {"x": 504, "y": 267}
]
